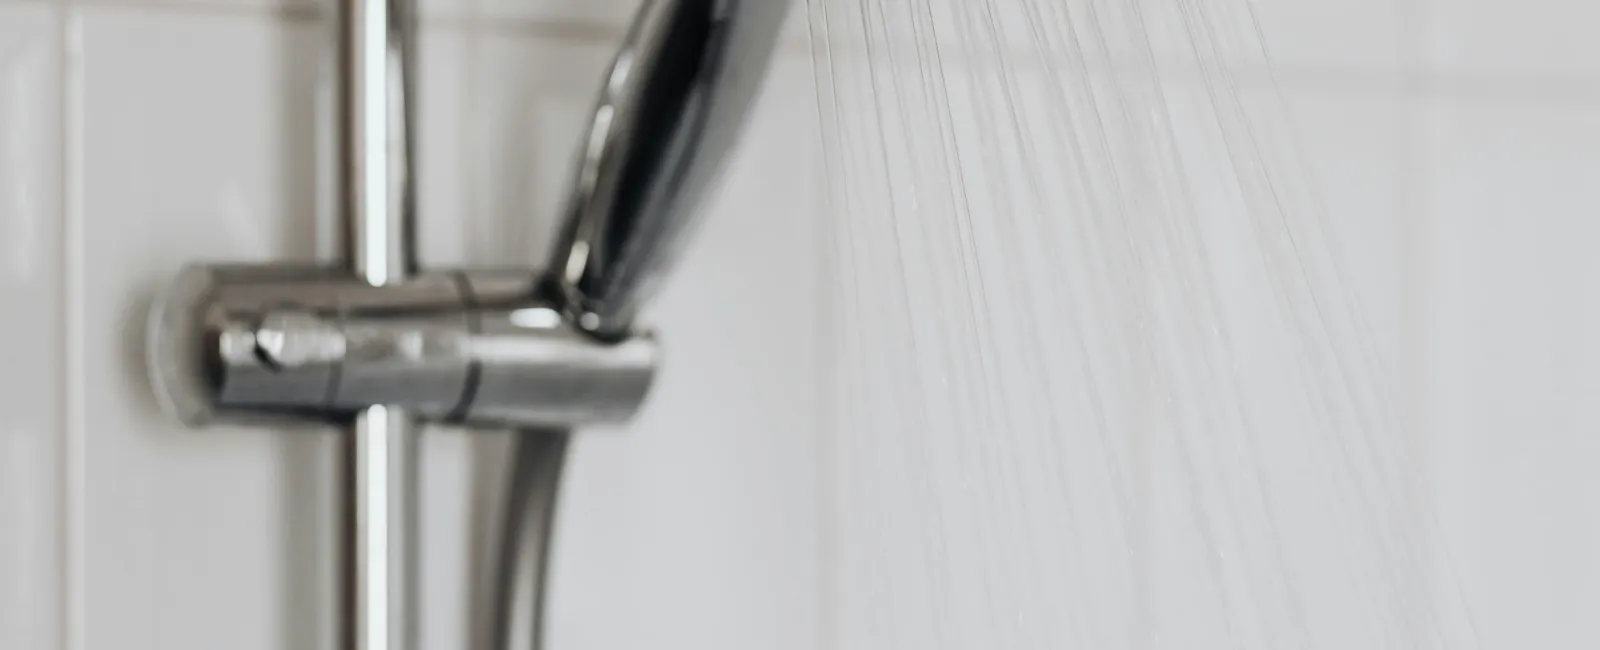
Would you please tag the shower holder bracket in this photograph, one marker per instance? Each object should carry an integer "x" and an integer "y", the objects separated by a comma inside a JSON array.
[{"x": 283, "y": 343}]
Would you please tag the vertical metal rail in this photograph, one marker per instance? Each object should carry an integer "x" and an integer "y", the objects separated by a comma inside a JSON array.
[{"x": 376, "y": 43}]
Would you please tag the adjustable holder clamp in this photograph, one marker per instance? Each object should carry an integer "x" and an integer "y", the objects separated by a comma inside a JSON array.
[{"x": 254, "y": 343}]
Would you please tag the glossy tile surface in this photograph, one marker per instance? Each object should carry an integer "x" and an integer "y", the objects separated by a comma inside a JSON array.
[
  {"x": 1543, "y": 39},
  {"x": 32, "y": 494},
  {"x": 195, "y": 538},
  {"x": 1515, "y": 364}
]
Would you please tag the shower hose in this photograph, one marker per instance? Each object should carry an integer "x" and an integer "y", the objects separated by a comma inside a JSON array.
[{"x": 519, "y": 583}]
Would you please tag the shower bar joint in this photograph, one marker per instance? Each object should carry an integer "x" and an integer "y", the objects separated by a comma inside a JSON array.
[{"x": 253, "y": 343}]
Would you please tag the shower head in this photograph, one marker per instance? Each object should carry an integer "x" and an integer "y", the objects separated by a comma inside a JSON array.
[{"x": 669, "y": 112}]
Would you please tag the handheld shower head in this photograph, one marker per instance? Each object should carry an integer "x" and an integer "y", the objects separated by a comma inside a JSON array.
[{"x": 669, "y": 112}]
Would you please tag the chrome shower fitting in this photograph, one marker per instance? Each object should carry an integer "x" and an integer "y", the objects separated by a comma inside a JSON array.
[
  {"x": 481, "y": 348},
  {"x": 375, "y": 344}
]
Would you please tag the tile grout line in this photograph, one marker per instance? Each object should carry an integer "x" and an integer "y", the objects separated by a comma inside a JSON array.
[
  {"x": 74, "y": 520},
  {"x": 1544, "y": 89},
  {"x": 288, "y": 11}
]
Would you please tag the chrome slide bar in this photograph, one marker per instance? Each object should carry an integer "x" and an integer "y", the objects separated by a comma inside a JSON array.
[{"x": 377, "y": 196}]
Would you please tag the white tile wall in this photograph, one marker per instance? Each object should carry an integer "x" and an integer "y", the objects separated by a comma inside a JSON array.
[
  {"x": 188, "y": 157},
  {"x": 139, "y": 134},
  {"x": 1454, "y": 147},
  {"x": 1484, "y": 166},
  {"x": 1514, "y": 283},
  {"x": 31, "y": 497},
  {"x": 1530, "y": 38},
  {"x": 1461, "y": 205},
  {"x": 1358, "y": 33}
]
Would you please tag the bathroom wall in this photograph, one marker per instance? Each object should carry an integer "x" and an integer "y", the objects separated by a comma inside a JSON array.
[
  {"x": 1455, "y": 142},
  {"x": 1454, "y": 145},
  {"x": 137, "y": 136}
]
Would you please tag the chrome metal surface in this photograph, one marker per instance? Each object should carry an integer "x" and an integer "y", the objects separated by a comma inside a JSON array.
[
  {"x": 516, "y": 611},
  {"x": 247, "y": 343},
  {"x": 200, "y": 342},
  {"x": 382, "y": 475},
  {"x": 536, "y": 369},
  {"x": 254, "y": 343},
  {"x": 378, "y": 198},
  {"x": 406, "y": 347},
  {"x": 203, "y": 343},
  {"x": 377, "y": 195},
  {"x": 670, "y": 111}
]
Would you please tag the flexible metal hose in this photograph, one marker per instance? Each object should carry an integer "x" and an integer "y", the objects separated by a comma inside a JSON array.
[{"x": 522, "y": 558}]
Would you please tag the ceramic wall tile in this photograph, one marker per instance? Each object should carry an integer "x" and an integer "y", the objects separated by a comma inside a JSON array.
[
  {"x": 32, "y": 452},
  {"x": 199, "y": 142},
  {"x": 1541, "y": 39},
  {"x": 1510, "y": 205}
]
